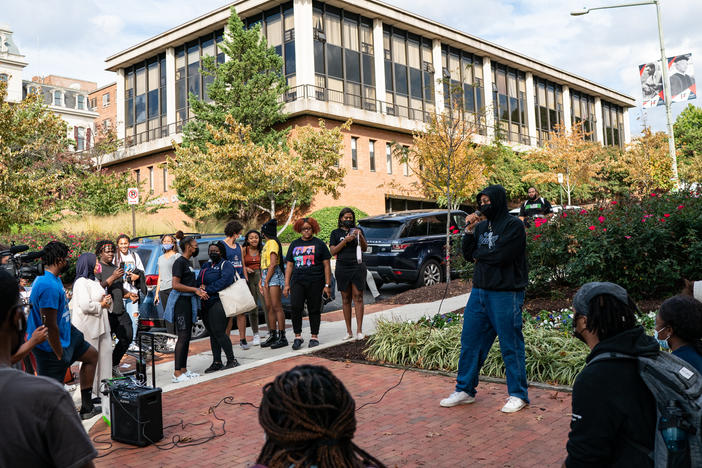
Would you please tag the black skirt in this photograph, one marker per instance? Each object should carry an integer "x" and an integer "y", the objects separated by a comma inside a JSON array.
[{"x": 347, "y": 274}]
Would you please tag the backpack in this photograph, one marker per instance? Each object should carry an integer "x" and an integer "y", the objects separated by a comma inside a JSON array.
[{"x": 671, "y": 379}]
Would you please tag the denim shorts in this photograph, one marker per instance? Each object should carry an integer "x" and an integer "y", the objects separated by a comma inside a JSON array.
[
  {"x": 278, "y": 278},
  {"x": 49, "y": 366}
]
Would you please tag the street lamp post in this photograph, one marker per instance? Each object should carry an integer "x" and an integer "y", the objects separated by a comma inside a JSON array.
[{"x": 664, "y": 67}]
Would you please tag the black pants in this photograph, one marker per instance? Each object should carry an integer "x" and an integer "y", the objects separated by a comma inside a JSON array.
[
  {"x": 183, "y": 321},
  {"x": 121, "y": 326},
  {"x": 311, "y": 293},
  {"x": 216, "y": 323},
  {"x": 163, "y": 299}
]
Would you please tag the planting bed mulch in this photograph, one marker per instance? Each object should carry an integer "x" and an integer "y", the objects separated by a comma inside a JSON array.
[
  {"x": 349, "y": 351},
  {"x": 429, "y": 293}
]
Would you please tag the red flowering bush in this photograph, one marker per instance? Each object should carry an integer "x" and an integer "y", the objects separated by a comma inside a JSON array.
[{"x": 647, "y": 246}]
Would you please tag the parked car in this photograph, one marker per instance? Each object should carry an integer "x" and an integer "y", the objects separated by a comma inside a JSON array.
[{"x": 408, "y": 246}]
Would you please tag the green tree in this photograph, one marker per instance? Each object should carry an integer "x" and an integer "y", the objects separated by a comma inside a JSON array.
[
  {"x": 505, "y": 167},
  {"x": 247, "y": 86},
  {"x": 646, "y": 163},
  {"x": 35, "y": 164},
  {"x": 688, "y": 143}
]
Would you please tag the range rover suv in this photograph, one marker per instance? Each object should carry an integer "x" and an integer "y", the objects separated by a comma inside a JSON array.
[{"x": 408, "y": 246}]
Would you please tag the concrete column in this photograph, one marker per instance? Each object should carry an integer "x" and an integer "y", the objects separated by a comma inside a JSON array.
[
  {"x": 567, "y": 110},
  {"x": 627, "y": 127},
  {"x": 438, "y": 76},
  {"x": 170, "y": 89},
  {"x": 489, "y": 105},
  {"x": 119, "y": 102},
  {"x": 379, "y": 63},
  {"x": 304, "y": 43},
  {"x": 599, "y": 121},
  {"x": 531, "y": 110}
]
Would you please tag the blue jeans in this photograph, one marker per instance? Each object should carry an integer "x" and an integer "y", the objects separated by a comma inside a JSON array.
[
  {"x": 489, "y": 314},
  {"x": 132, "y": 308}
]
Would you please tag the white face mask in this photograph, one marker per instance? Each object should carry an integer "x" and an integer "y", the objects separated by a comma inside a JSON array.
[{"x": 663, "y": 343}]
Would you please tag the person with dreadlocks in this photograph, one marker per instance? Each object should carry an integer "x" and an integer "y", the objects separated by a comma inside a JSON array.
[
  {"x": 309, "y": 418},
  {"x": 65, "y": 343},
  {"x": 614, "y": 413},
  {"x": 679, "y": 328}
]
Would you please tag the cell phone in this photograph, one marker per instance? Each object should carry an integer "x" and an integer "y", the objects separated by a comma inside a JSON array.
[
  {"x": 121, "y": 265},
  {"x": 43, "y": 319}
]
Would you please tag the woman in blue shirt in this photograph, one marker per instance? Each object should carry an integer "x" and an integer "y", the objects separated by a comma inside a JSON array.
[
  {"x": 679, "y": 328},
  {"x": 216, "y": 275},
  {"x": 236, "y": 257}
]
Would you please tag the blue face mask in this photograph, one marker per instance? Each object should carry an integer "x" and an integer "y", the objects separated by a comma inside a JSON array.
[
  {"x": 663, "y": 343},
  {"x": 166, "y": 247}
]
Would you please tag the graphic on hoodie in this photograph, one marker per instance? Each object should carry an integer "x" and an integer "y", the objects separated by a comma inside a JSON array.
[
  {"x": 489, "y": 239},
  {"x": 304, "y": 256}
]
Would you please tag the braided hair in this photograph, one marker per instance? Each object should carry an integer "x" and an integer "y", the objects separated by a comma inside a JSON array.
[
  {"x": 309, "y": 419},
  {"x": 684, "y": 315},
  {"x": 101, "y": 244},
  {"x": 608, "y": 316}
]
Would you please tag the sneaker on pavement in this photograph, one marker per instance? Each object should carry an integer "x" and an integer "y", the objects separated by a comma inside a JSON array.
[
  {"x": 348, "y": 336},
  {"x": 513, "y": 405},
  {"x": 256, "y": 340},
  {"x": 216, "y": 366},
  {"x": 281, "y": 342},
  {"x": 244, "y": 345},
  {"x": 90, "y": 412},
  {"x": 231, "y": 364},
  {"x": 360, "y": 336},
  {"x": 457, "y": 398},
  {"x": 180, "y": 378},
  {"x": 191, "y": 375},
  {"x": 313, "y": 342},
  {"x": 297, "y": 343}
]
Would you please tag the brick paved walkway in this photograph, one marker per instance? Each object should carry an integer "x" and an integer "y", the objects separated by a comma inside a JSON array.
[{"x": 406, "y": 429}]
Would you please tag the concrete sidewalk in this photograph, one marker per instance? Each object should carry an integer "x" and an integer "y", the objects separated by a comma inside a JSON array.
[{"x": 332, "y": 332}]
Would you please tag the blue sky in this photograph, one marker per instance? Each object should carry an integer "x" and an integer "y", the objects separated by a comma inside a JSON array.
[{"x": 73, "y": 37}]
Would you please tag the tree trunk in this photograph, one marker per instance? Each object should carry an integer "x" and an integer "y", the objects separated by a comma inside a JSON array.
[{"x": 287, "y": 221}]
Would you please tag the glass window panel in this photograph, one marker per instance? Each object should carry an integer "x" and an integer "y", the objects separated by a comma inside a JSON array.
[
  {"x": 335, "y": 85},
  {"x": 129, "y": 112},
  {"x": 553, "y": 118},
  {"x": 388, "y": 76},
  {"x": 522, "y": 83},
  {"x": 399, "y": 55},
  {"x": 153, "y": 76},
  {"x": 371, "y": 155},
  {"x": 140, "y": 80},
  {"x": 153, "y": 104},
  {"x": 353, "y": 65},
  {"x": 550, "y": 98},
  {"x": 181, "y": 95},
  {"x": 388, "y": 158},
  {"x": 354, "y": 153},
  {"x": 319, "y": 57},
  {"x": 208, "y": 47},
  {"x": 543, "y": 117},
  {"x": 427, "y": 55},
  {"x": 334, "y": 65},
  {"x": 164, "y": 100},
  {"x": 367, "y": 32},
  {"x": 416, "y": 83},
  {"x": 351, "y": 35},
  {"x": 274, "y": 29},
  {"x": 386, "y": 42},
  {"x": 541, "y": 94},
  {"x": 468, "y": 98},
  {"x": 413, "y": 54},
  {"x": 501, "y": 82},
  {"x": 455, "y": 67},
  {"x": 428, "y": 87},
  {"x": 512, "y": 85},
  {"x": 317, "y": 19},
  {"x": 332, "y": 29},
  {"x": 289, "y": 19},
  {"x": 504, "y": 109},
  {"x": 467, "y": 69},
  {"x": 401, "y": 79},
  {"x": 290, "y": 58},
  {"x": 140, "y": 108},
  {"x": 477, "y": 69},
  {"x": 368, "y": 70}
]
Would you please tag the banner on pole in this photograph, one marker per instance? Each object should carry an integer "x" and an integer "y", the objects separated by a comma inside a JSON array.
[{"x": 681, "y": 76}]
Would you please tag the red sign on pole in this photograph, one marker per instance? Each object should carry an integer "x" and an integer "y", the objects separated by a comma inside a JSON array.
[{"x": 133, "y": 196}]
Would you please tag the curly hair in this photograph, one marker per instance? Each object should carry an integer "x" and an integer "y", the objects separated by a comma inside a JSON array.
[
  {"x": 54, "y": 252},
  {"x": 232, "y": 228},
  {"x": 297, "y": 227},
  {"x": 260, "y": 240},
  {"x": 101, "y": 244},
  {"x": 220, "y": 246},
  {"x": 684, "y": 315},
  {"x": 309, "y": 419}
]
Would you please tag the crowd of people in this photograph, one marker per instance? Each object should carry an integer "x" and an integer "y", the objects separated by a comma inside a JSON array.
[{"x": 307, "y": 414}]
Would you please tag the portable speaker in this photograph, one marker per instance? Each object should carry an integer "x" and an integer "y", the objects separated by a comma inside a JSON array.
[{"x": 137, "y": 416}]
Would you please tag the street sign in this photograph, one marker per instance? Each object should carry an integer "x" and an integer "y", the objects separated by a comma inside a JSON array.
[
  {"x": 560, "y": 178},
  {"x": 133, "y": 196}
]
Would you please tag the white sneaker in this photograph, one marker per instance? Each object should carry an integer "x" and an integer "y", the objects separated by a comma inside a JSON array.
[
  {"x": 180, "y": 378},
  {"x": 191, "y": 375},
  {"x": 457, "y": 398},
  {"x": 256, "y": 340},
  {"x": 360, "y": 336},
  {"x": 348, "y": 336},
  {"x": 513, "y": 405}
]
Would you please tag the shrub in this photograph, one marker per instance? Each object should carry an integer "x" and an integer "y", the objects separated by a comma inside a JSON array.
[
  {"x": 327, "y": 218},
  {"x": 645, "y": 246}
]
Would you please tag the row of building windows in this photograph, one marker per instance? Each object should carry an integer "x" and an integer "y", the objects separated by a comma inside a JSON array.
[
  {"x": 462, "y": 75},
  {"x": 145, "y": 99},
  {"x": 509, "y": 103},
  {"x": 105, "y": 101},
  {"x": 548, "y": 106},
  {"x": 278, "y": 27},
  {"x": 59, "y": 98},
  {"x": 152, "y": 182},
  {"x": 371, "y": 157}
]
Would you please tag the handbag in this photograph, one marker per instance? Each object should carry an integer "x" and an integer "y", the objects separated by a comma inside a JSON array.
[{"x": 236, "y": 298}]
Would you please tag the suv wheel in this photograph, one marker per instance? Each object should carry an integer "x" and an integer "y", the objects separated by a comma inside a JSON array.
[
  {"x": 199, "y": 330},
  {"x": 429, "y": 274}
]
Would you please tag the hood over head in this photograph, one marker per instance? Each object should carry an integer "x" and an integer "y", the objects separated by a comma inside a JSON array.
[{"x": 498, "y": 199}]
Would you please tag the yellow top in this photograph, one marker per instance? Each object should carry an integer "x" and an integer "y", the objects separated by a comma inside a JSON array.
[{"x": 269, "y": 247}]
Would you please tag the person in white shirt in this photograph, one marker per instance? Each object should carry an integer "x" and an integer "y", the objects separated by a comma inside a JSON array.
[{"x": 132, "y": 267}]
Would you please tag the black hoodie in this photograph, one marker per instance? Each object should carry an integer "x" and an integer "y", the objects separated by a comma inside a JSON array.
[
  {"x": 498, "y": 246},
  {"x": 613, "y": 410}
]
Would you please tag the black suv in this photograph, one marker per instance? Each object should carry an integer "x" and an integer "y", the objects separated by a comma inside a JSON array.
[{"x": 408, "y": 246}]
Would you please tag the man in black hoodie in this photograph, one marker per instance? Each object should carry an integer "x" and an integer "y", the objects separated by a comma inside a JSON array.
[
  {"x": 498, "y": 247},
  {"x": 614, "y": 414}
]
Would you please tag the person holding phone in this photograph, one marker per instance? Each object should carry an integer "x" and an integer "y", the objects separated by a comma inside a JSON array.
[
  {"x": 131, "y": 263},
  {"x": 307, "y": 277},
  {"x": 348, "y": 243}
]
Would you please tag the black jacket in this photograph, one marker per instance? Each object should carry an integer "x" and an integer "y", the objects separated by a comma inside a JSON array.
[
  {"x": 498, "y": 247},
  {"x": 613, "y": 410}
]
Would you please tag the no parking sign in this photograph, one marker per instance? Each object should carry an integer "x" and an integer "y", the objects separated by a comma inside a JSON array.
[{"x": 133, "y": 196}]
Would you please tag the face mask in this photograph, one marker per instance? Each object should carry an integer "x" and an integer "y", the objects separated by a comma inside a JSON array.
[
  {"x": 487, "y": 210},
  {"x": 663, "y": 343},
  {"x": 347, "y": 223},
  {"x": 166, "y": 247},
  {"x": 196, "y": 252},
  {"x": 215, "y": 257}
]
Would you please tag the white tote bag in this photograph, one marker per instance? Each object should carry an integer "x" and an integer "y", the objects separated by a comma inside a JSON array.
[{"x": 236, "y": 298}]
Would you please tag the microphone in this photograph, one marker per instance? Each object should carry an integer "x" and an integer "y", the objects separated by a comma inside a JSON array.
[
  {"x": 477, "y": 213},
  {"x": 32, "y": 256},
  {"x": 15, "y": 249}
]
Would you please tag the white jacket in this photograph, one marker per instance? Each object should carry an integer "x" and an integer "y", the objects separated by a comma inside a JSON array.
[{"x": 87, "y": 314}]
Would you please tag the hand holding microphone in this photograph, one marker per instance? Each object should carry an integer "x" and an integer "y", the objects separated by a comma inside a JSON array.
[{"x": 472, "y": 220}]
